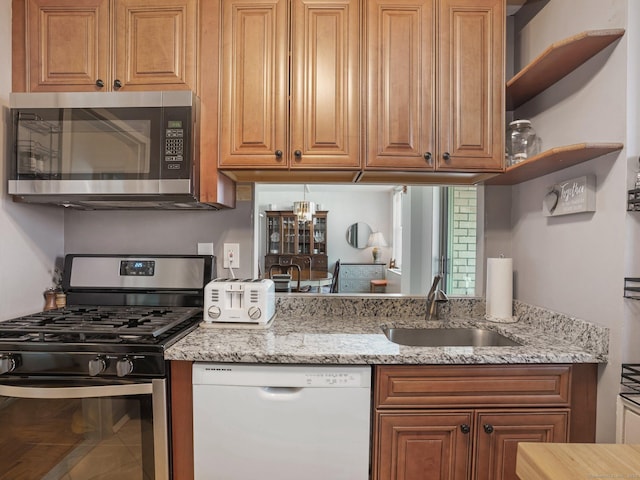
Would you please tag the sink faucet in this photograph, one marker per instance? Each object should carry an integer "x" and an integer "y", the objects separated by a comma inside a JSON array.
[{"x": 435, "y": 295}]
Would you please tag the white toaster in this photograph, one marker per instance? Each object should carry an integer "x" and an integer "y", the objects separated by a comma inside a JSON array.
[{"x": 235, "y": 300}]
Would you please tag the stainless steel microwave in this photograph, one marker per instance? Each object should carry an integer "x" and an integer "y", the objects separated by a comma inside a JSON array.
[{"x": 105, "y": 150}]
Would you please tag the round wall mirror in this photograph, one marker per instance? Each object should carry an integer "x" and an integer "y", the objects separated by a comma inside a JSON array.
[{"x": 358, "y": 234}]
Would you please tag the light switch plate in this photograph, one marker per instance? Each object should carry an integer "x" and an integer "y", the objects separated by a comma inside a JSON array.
[{"x": 205, "y": 248}]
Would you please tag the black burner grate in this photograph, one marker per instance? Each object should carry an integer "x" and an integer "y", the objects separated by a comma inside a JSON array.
[{"x": 99, "y": 324}]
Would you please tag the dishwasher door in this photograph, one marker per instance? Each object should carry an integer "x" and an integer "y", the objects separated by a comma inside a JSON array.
[{"x": 284, "y": 422}]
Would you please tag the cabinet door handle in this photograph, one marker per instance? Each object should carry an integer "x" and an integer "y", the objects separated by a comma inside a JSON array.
[
  {"x": 464, "y": 428},
  {"x": 117, "y": 84},
  {"x": 488, "y": 428},
  {"x": 279, "y": 154},
  {"x": 446, "y": 156},
  {"x": 298, "y": 154},
  {"x": 99, "y": 83},
  {"x": 427, "y": 157}
]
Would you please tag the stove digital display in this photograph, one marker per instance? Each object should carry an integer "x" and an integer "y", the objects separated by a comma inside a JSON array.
[{"x": 137, "y": 268}]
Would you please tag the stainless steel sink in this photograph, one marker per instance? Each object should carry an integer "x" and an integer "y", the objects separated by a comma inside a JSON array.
[{"x": 448, "y": 337}]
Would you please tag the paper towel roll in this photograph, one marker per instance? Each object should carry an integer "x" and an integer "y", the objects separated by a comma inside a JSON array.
[{"x": 499, "y": 289}]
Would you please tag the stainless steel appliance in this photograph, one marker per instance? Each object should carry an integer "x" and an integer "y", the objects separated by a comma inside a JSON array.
[
  {"x": 235, "y": 300},
  {"x": 84, "y": 388},
  {"x": 104, "y": 150}
]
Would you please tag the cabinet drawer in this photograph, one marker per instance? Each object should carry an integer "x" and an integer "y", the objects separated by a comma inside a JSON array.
[
  {"x": 319, "y": 262},
  {"x": 362, "y": 271},
  {"x": 477, "y": 385}
]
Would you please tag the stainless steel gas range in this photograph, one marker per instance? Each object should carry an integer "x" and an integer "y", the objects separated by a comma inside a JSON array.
[{"x": 84, "y": 388}]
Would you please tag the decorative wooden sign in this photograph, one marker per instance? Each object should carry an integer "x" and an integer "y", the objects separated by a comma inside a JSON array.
[{"x": 576, "y": 195}]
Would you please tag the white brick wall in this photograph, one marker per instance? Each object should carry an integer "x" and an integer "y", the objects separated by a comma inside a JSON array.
[{"x": 462, "y": 240}]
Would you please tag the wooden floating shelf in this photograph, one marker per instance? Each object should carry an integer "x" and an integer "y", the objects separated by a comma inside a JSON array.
[
  {"x": 557, "y": 61},
  {"x": 632, "y": 289},
  {"x": 551, "y": 161}
]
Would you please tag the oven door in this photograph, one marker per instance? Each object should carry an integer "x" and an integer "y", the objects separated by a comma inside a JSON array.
[{"x": 61, "y": 429}]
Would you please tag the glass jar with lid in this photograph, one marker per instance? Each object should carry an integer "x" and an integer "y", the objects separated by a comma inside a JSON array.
[{"x": 522, "y": 141}]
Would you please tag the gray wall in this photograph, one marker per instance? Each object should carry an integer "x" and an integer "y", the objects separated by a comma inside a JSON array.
[
  {"x": 31, "y": 237},
  {"x": 575, "y": 264},
  {"x": 162, "y": 232}
]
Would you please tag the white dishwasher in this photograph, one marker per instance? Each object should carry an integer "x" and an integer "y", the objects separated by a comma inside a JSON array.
[{"x": 284, "y": 422}]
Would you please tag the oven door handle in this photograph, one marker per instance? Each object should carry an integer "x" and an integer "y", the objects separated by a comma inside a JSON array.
[{"x": 76, "y": 392}]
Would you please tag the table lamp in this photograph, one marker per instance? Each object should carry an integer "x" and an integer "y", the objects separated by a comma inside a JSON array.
[{"x": 376, "y": 240}]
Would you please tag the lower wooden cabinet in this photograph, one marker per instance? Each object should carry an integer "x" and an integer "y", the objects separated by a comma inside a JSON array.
[
  {"x": 465, "y": 422},
  {"x": 497, "y": 433},
  {"x": 459, "y": 445},
  {"x": 423, "y": 445}
]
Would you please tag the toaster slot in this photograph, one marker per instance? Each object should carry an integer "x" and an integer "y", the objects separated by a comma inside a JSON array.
[{"x": 235, "y": 297}]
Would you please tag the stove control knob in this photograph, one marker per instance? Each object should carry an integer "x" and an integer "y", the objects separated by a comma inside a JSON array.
[
  {"x": 8, "y": 363},
  {"x": 97, "y": 365},
  {"x": 124, "y": 367},
  {"x": 254, "y": 313},
  {"x": 214, "y": 312}
]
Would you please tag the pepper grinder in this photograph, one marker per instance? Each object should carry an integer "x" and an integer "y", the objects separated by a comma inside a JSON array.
[
  {"x": 50, "y": 300},
  {"x": 61, "y": 300}
]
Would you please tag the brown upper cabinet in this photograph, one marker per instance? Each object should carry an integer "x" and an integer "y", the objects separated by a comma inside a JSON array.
[
  {"x": 435, "y": 73},
  {"x": 290, "y": 95},
  {"x": 104, "y": 45}
]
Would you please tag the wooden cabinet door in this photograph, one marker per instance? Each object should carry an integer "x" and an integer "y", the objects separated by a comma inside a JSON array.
[
  {"x": 155, "y": 44},
  {"x": 471, "y": 85},
  {"x": 400, "y": 77},
  {"x": 254, "y": 98},
  {"x": 497, "y": 435},
  {"x": 325, "y": 84},
  {"x": 68, "y": 45},
  {"x": 422, "y": 446}
]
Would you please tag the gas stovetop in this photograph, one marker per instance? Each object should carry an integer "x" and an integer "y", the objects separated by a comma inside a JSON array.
[
  {"x": 129, "y": 325},
  {"x": 125, "y": 310}
]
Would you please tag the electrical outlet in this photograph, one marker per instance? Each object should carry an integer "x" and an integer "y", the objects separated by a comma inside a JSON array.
[{"x": 231, "y": 255}]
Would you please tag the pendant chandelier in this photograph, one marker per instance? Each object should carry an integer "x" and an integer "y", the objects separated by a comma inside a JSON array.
[{"x": 304, "y": 209}]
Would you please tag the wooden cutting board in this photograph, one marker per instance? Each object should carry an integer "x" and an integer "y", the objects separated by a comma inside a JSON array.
[{"x": 562, "y": 461}]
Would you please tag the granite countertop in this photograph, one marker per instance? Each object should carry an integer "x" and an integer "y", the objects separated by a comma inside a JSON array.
[{"x": 314, "y": 330}]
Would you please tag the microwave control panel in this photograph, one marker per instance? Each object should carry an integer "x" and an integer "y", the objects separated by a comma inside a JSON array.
[{"x": 176, "y": 144}]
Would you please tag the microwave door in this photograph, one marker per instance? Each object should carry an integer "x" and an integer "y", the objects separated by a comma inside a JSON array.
[{"x": 96, "y": 144}]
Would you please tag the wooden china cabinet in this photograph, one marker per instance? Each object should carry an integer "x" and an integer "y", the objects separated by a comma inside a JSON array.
[
  {"x": 106, "y": 45},
  {"x": 290, "y": 241}
]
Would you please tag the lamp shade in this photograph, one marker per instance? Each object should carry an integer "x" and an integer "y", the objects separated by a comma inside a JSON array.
[{"x": 376, "y": 239}]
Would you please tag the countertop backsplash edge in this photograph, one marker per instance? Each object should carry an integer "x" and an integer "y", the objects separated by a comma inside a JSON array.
[{"x": 592, "y": 337}]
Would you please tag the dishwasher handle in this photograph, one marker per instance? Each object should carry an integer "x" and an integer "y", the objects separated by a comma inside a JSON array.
[{"x": 280, "y": 393}]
